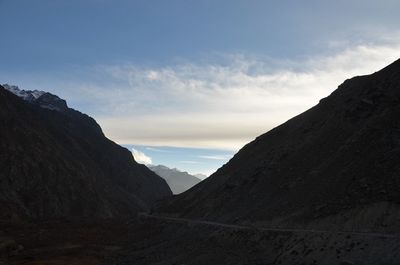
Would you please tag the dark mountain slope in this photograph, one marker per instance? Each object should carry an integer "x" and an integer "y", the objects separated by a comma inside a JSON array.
[
  {"x": 337, "y": 163},
  {"x": 58, "y": 163}
]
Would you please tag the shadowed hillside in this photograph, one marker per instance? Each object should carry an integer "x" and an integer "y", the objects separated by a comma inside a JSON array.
[
  {"x": 56, "y": 162},
  {"x": 335, "y": 165}
]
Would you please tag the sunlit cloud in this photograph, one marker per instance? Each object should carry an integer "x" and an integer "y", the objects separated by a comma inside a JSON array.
[
  {"x": 154, "y": 149},
  {"x": 223, "y": 103},
  {"x": 141, "y": 157},
  {"x": 216, "y": 157},
  {"x": 226, "y": 106}
]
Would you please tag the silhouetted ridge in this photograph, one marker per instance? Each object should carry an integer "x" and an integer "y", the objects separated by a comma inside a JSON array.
[
  {"x": 58, "y": 163},
  {"x": 335, "y": 165}
]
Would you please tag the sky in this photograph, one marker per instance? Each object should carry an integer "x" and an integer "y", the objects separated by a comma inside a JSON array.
[{"x": 188, "y": 83}]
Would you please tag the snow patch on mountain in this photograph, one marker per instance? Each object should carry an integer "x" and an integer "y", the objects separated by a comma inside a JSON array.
[
  {"x": 27, "y": 95},
  {"x": 43, "y": 99}
]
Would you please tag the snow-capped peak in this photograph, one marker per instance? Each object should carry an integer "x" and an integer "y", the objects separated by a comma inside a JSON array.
[
  {"x": 36, "y": 93},
  {"x": 27, "y": 95},
  {"x": 41, "y": 98}
]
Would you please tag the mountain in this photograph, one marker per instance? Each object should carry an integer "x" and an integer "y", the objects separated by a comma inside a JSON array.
[
  {"x": 40, "y": 98},
  {"x": 200, "y": 176},
  {"x": 334, "y": 166},
  {"x": 55, "y": 162},
  {"x": 178, "y": 181}
]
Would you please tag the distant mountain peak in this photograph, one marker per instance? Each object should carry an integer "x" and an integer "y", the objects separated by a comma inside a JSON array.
[
  {"x": 178, "y": 180},
  {"x": 43, "y": 99},
  {"x": 201, "y": 176}
]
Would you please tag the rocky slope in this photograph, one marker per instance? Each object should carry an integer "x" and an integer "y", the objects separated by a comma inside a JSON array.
[
  {"x": 333, "y": 166},
  {"x": 150, "y": 241},
  {"x": 56, "y": 162},
  {"x": 178, "y": 181}
]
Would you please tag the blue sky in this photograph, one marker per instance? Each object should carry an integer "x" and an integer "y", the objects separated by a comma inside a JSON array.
[
  {"x": 200, "y": 78},
  {"x": 54, "y": 34}
]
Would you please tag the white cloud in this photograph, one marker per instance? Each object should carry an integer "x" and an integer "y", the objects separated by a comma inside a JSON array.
[
  {"x": 158, "y": 150},
  {"x": 222, "y": 104},
  {"x": 141, "y": 157},
  {"x": 216, "y": 157}
]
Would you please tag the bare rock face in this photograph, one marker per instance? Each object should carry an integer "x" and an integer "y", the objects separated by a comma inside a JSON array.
[
  {"x": 335, "y": 165},
  {"x": 55, "y": 162}
]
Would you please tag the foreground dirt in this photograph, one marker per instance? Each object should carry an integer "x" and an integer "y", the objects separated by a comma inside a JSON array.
[
  {"x": 62, "y": 242},
  {"x": 154, "y": 241}
]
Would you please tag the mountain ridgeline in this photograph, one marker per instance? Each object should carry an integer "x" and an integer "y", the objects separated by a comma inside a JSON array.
[
  {"x": 56, "y": 163},
  {"x": 333, "y": 166},
  {"x": 179, "y": 181}
]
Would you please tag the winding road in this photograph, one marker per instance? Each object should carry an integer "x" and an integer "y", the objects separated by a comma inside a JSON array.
[{"x": 264, "y": 229}]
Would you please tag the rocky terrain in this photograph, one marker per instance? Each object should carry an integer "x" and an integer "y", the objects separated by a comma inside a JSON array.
[
  {"x": 177, "y": 180},
  {"x": 334, "y": 166},
  {"x": 320, "y": 189},
  {"x": 148, "y": 241},
  {"x": 56, "y": 162}
]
